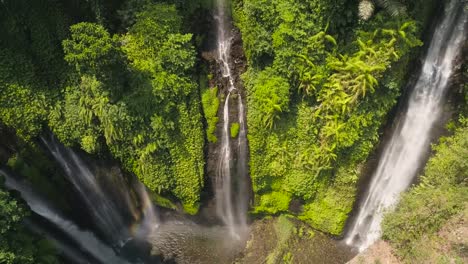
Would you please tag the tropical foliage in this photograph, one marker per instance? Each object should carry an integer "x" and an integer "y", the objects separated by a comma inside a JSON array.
[
  {"x": 122, "y": 80},
  {"x": 317, "y": 96},
  {"x": 17, "y": 245},
  {"x": 441, "y": 194},
  {"x": 210, "y": 103},
  {"x": 131, "y": 94}
]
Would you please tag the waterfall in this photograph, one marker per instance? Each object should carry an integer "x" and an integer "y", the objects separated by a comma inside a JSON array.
[
  {"x": 242, "y": 167},
  {"x": 231, "y": 201},
  {"x": 150, "y": 221},
  {"x": 223, "y": 180},
  {"x": 86, "y": 240},
  {"x": 109, "y": 212},
  {"x": 104, "y": 210},
  {"x": 411, "y": 138},
  {"x": 64, "y": 249}
]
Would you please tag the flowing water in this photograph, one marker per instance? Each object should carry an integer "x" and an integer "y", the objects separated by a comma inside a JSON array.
[
  {"x": 189, "y": 243},
  {"x": 231, "y": 193},
  {"x": 150, "y": 221},
  {"x": 224, "y": 206},
  {"x": 86, "y": 240},
  {"x": 113, "y": 213},
  {"x": 68, "y": 251},
  {"x": 404, "y": 152},
  {"x": 105, "y": 212},
  {"x": 242, "y": 167},
  {"x": 178, "y": 240}
]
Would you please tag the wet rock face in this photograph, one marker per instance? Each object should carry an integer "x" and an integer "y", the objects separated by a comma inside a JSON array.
[
  {"x": 279, "y": 239},
  {"x": 238, "y": 66},
  {"x": 238, "y": 57},
  {"x": 223, "y": 204}
]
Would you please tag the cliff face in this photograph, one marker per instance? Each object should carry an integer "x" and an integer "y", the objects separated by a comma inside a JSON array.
[{"x": 238, "y": 67}]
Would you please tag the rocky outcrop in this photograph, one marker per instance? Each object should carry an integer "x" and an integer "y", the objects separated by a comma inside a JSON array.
[{"x": 380, "y": 252}]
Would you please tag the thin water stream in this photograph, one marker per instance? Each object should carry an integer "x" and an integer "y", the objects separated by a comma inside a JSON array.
[{"x": 105, "y": 211}]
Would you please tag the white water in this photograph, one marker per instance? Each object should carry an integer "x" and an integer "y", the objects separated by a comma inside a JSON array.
[
  {"x": 223, "y": 180},
  {"x": 105, "y": 212},
  {"x": 108, "y": 211},
  {"x": 410, "y": 140},
  {"x": 150, "y": 220},
  {"x": 62, "y": 248},
  {"x": 231, "y": 201},
  {"x": 86, "y": 240},
  {"x": 242, "y": 168}
]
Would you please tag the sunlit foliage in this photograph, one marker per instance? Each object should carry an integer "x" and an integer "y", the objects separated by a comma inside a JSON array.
[
  {"x": 17, "y": 245},
  {"x": 441, "y": 194},
  {"x": 315, "y": 101}
]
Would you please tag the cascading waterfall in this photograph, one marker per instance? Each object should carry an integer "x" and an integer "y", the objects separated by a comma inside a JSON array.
[
  {"x": 411, "y": 138},
  {"x": 66, "y": 250},
  {"x": 223, "y": 180},
  {"x": 86, "y": 240},
  {"x": 150, "y": 221},
  {"x": 231, "y": 201},
  {"x": 242, "y": 167},
  {"x": 107, "y": 212}
]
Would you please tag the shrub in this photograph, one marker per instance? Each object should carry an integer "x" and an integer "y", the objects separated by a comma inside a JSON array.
[
  {"x": 234, "y": 130},
  {"x": 210, "y": 104}
]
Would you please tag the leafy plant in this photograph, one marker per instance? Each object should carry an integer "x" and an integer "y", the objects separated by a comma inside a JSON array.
[
  {"x": 441, "y": 194},
  {"x": 17, "y": 245},
  {"x": 234, "y": 130},
  {"x": 210, "y": 104}
]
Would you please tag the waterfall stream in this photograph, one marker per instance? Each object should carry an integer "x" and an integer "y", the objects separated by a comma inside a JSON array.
[
  {"x": 404, "y": 152},
  {"x": 86, "y": 240},
  {"x": 105, "y": 212},
  {"x": 231, "y": 194},
  {"x": 110, "y": 212},
  {"x": 66, "y": 250}
]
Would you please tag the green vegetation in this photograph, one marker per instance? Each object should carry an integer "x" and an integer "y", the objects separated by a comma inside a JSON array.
[
  {"x": 283, "y": 239},
  {"x": 234, "y": 130},
  {"x": 123, "y": 80},
  {"x": 132, "y": 94},
  {"x": 441, "y": 194},
  {"x": 210, "y": 103},
  {"x": 319, "y": 87},
  {"x": 115, "y": 83},
  {"x": 17, "y": 245},
  {"x": 284, "y": 230}
]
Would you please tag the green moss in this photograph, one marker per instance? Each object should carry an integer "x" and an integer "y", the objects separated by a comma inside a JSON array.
[
  {"x": 273, "y": 203},
  {"x": 89, "y": 144},
  {"x": 284, "y": 230},
  {"x": 191, "y": 209},
  {"x": 210, "y": 104},
  {"x": 329, "y": 211},
  {"x": 164, "y": 202},
  {"x": 234, "y": 130}
]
